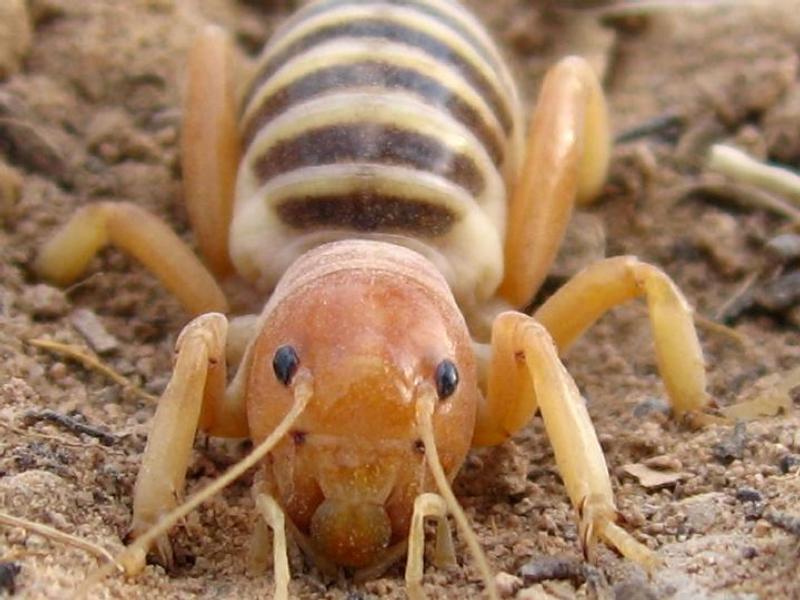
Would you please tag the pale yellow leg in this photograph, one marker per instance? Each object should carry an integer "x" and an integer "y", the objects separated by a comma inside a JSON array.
[
  {"x": 273, "y": 515},
  {"x": 566, "y": 160},
  {"x": 133, "y": 558},
  {"x": 210, "y": 145},
  {"x": 139, "y": 233},
  {"x": 600, "y": 287},
  {"x": 427, "y": 505},
  {"x": 578, "y": 454},
  {"x": 198, "y": 380}
]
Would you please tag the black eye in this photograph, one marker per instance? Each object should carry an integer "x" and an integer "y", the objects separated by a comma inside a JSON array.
[
  {"x": 446, "y": 378},
  {"x": 285, "y": 364}
]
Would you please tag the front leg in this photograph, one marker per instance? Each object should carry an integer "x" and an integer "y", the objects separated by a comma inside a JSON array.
[
  {"x": 525, "y": 373},
  {"x": 195, "y": 395}
]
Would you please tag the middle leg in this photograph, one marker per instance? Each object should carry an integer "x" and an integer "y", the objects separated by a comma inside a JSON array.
[
  {"x": 605, "y": 284},
  {"x": 525, "y": 374}
]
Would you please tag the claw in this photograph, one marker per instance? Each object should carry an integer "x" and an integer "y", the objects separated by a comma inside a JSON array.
[{"x": 598, "y": 519}]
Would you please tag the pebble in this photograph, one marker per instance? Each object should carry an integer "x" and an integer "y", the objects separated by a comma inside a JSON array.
[
  {"x": 92, "y": 329},
  {"x": 551, "y": 567},
  {"x": 507, "y": 584},
  {"x": 746, "y": 494},
  {"x": 651, "y": 405},
  {"x": 732, "y": 447},
  {"x": 784, "y": 247},
  {"x": 8, "y": 573},
  {"x": 761, "y": 528},
  {"x": 15, "y": 36},
  {"x": 788, "y": 462},
  {"x": 45, "y": 301}
]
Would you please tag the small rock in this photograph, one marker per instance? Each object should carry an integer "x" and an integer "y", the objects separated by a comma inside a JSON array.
[
  {"x": 507, "y": 584},
  {"x": 90, "y": 327},
  {"x": 746, "y": 494},
  {"x": 785, "y": 247},
  {"x": 8, "y": 574},
  {"x": 45, "y": 301},
  {"x": 761, "y": 528},
  {"x": 781, "y": 294},
  {"x": 731, "y": 448},
  {"x": 701, "y": 512},
  {"x": 651, "y": 405},
  {"x": 788, "y": 462},
  {"x": 749, "y": 552},
  {"x": 15, "y": 35},
  {"x": 552, "y": 567}
]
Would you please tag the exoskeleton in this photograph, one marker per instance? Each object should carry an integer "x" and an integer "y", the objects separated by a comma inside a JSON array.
[{"x": 376, "y": 181}]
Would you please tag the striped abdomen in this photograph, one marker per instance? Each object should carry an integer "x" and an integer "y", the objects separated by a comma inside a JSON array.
[{"x": 384, "y": 119}]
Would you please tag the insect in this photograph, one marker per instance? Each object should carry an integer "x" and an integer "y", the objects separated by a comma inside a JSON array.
[{"x": 376, "y": 181}]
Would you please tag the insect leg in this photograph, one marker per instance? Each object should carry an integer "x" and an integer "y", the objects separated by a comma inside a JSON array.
[
  {"x": 427, "y": 505},
  {"x": 197, "y": 385},
  {"x": 139, "y": 233},
  {"x": 210, "y": 145},
  {"x": 273, "y": 515},
  {"x": 603, "y": 285},
  {"x": 577, "y": 451},
  {"x": 566, "y": 159}
]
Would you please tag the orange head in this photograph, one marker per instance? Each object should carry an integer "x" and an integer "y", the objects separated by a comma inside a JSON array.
[{"x": 375, "y": 325}]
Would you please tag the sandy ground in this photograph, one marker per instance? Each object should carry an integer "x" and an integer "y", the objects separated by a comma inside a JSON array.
[{"x": 92, "y": 113}]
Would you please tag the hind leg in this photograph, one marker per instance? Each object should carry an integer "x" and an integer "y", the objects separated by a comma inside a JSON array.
[
  {"x": 566, "y": 160},
  {"x": 142, "y": 235},
  {"x": 210, "y": 145}
]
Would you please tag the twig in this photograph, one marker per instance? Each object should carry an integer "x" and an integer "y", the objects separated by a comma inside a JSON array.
[
  {"x": 72, "y": 425},
  {"x": 58, "y": 536},
  {"x": 44, "y": 436},
  {"x": 742, "y": 167},
  {"x": 661, "y": 125},
  {"x": 743, "y": 289},
  {"x": 714, "y": 326},
  {"x": 744, "y": 195},
  {"x": 89, "y": 361}
]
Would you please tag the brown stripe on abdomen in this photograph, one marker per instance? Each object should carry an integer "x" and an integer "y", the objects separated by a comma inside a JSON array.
[
  {"x": 421, "y": 7},
  {"x": 373, "y": 74},
  {"x": 396, "y": 32},
  {"x": 367, "y": 211},
  {"x": 369, "y": 143}
]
